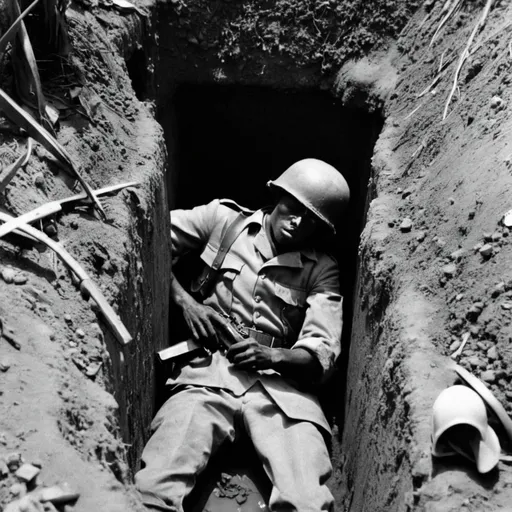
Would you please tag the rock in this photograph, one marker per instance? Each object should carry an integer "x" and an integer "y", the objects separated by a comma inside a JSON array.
[
  {"x": 496, "y": 103},
  {"x": 421, "y": 236},
  {"x": 498, "y": 289},
  {"x": 27, "y": 472},
  {"x": 492, "y": 353},
  {"x": 58, "y": 494},
  {"x": 459, "y": 297},
  {"x": 507, "y": 219},
  {"x": 92, "y": 370},
  {"x": 449, "y": 270},
  {"x": 80, "y": 333},
  {"x": 487, "y": 237},
  {"x": 406, "y": 225},
  {"x": 14, "y": 461},
  {"x": 488, "y": 376},
  {"x": 68, "y": 319},
  {"x": 506, "y": 305},
  {"x": 39, "y": 180},
  {"x": 51, "y": 230},
  {"x": 486, "y": 250},
  {"x": 478, "y": 246},
  {"x": 471, "y": 214},
  {"x": 18, "y": 489},
  {"x": 4, "y": 365},
  {"x": 457, "y": 255},
  {"x": 4, "y": 470},
  {"x": 476, "y": 362},
  {"x": 8, "y": 275},
  {"x": 20, "y": 279},
  {"x": 406, "y": 193},
  {"x": 496, "y": 236}
]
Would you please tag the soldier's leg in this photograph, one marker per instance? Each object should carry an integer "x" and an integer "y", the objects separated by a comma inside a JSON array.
[
  {"x": 186, "y": 431},
  {"x": 293, "y": 454}
]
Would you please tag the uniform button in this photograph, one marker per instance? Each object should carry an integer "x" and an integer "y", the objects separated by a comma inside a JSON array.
[{"x": 257, "y": 298}]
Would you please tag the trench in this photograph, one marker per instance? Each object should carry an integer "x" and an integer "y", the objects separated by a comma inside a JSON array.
[{"x": 227, "y": 141}]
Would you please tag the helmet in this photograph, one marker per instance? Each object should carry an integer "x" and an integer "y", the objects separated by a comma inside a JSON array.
[
  {"x": 457, "y": 406},
  {"x": 318, "y": 186}
]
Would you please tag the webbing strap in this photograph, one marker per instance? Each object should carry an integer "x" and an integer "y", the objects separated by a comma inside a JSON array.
[{"x": 232, "y": 232}]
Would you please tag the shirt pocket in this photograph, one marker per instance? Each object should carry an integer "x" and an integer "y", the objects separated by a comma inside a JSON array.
[
  {"x": 293, "y": 310},
  {"x": 223, "y": 281}
]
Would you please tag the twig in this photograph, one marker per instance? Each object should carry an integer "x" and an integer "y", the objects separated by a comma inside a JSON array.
[
  {"x": 11, "y": 31},
  {"x": 453, "y": 8},
  {"x": 16, "y": 114},
  {"x": 464, "y": 55},
  {"x": 8, "y": 175},
  {"x": 458, "y": 352},
  {"x": 434, "y": 82}
]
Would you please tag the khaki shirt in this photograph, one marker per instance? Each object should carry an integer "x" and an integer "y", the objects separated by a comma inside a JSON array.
[{"x": 294, "y": 296}]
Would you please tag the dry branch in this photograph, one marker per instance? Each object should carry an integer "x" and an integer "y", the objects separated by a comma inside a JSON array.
[
  {"x": 11, "y": 31},
  {"x": 10, "y": 172},
  {"x": 17, "y": 115},
  {"x": 465, "y": 53},
  {"x": 449, "y": 14},
  {"x": 86, "y": 285}
]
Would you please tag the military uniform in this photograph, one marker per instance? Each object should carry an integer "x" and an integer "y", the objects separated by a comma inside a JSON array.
[{"x": 293, "y": 297}]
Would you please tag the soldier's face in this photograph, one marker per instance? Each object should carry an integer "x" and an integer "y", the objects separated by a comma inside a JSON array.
[{"x": 291, "y": 222}]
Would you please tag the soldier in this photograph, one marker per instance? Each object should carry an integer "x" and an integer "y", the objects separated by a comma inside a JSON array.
[{"x": 263, "y": 269}]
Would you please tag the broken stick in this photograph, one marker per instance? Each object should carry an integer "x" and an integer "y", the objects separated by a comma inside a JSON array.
[
  {"x": 86, "y": 285},
  {"x": 56, "y": 206}
]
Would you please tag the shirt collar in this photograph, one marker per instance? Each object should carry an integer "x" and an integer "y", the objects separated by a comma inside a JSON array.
[{"x": 263, "y": 245}]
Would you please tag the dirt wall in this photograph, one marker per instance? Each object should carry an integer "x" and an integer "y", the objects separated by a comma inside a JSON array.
[
  {"x": 72, "y": 399},
  {"x": 441, "y": 188}
]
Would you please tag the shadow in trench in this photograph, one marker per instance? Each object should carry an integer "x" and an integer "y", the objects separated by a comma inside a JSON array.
[{"x": 228, "y": 141}]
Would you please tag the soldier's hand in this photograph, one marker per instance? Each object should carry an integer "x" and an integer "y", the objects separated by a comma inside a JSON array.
[
  {"x": 251, "y": 355},
  {"x": 204, "y": 323}
]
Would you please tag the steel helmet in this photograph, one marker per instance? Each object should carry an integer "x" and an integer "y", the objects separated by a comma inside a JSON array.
[
  {"x": 457, "y": 406},
  {"x": 318, "y": 186}
]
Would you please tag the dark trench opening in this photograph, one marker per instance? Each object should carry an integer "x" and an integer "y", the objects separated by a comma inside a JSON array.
[{"x": 228, "y": 141}]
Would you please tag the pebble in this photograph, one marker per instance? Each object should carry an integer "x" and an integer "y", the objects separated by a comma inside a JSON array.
[
  {"x": 39, "y": 180},
  {"x": 506, "y": 305},
  {"x": 486, "y": 250},
  {"x": 457, "y": 255},
  {"x": 50, "y": 230},
  {"x": 20, "y": 279},
  {"x": 80, "y": 333},
  {"x": 449, "y": 270},
  {"x": 496, "y": 102},
  {"x": 4, "y": 365},
  {"x": 68, "y": 319},
  {"x": 498, "y": 289},
  {"x": 14, "y": 461},
  {"x": 488, "y": 376},
  {"x": 8, "y": 275},
  {"x": 18, "y": 489},
  {"x": 406, "y": 225},
  {"x": 492, "y": 353},
  {"x": 4, "y": 470},
  {"x": 92, "y": 370},
  {"x": 27, "y": 472},
  {"x": 421, "y": 236},
  {"x": 476, "y": 362}
]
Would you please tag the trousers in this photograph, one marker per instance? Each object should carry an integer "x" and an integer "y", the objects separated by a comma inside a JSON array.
[{"x": 196, "y": 421}]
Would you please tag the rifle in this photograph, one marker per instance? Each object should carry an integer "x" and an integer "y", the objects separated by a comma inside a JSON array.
[{"x": 234, "y": 332}]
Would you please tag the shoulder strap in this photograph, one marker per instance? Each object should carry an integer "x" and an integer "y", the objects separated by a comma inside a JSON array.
[{"x": 232, "y": 232}]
